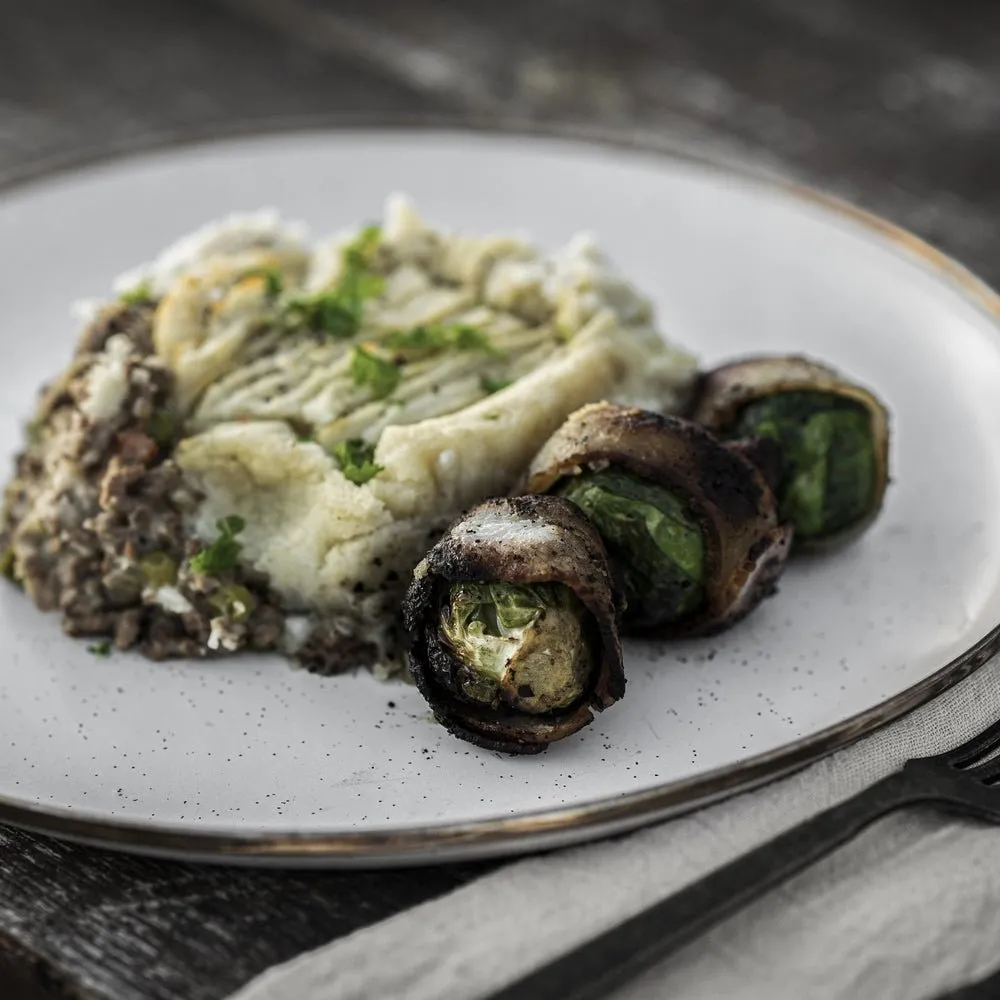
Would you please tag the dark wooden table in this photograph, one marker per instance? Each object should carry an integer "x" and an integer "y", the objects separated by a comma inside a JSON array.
[{"x": 895, "y": 105}]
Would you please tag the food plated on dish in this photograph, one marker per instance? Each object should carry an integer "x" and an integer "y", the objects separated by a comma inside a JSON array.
[
  {"x": 514, "y": 618},
  {"x": 255, "y": 445}
]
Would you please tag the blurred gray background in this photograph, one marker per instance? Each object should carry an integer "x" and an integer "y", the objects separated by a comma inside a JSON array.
[{"x": 891, "y": 103}]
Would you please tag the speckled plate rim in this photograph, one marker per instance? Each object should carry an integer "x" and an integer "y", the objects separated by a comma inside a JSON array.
[{"x": 542, "y": 829}]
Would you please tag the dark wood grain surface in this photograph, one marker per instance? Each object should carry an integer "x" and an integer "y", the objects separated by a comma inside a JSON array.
[
  {"x": 97, "y": 924},
  {"x": 895, "y": 105}
]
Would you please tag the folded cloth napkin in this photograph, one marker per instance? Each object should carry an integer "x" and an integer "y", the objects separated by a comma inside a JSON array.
[{"x": 909, "y": 909}]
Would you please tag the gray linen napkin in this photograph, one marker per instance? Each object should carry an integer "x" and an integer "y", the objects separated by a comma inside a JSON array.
[{"x": 909, "y": 909}]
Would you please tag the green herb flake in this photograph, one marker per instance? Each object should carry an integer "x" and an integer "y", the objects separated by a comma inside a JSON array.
[
  {"x": 102, "y": 648},
  {"x": 492, "y": 415},
  {"x": 338, "y": 311},
  {"x": 468, "y": 338},
  {"x": 369, "y": 369},
  {"x": 420, "y": 338},
  {"x": 222, "y": 554},
  {"x": 492, "y": 385},
  {"x": 440, "y": 337},
  {"x": 324, "y": 312},
  {"x": 358, "y": 286},
  {"x": 360, "y": 252},
  {"x": 161, "y": 426},
  {"x": 273, "y": 279},
  {"x": 357, "y": 460},
  {"x": 140, "y": 295}
]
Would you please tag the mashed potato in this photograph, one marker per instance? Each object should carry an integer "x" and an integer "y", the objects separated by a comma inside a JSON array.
[{"x": 328, "y": 408}]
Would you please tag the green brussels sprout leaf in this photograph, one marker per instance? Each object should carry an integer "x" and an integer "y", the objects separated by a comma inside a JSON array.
[
  {"x": 525, "y": 646},
  {"x": 654, "y": 542},
  {"x": 829, "y": 455}
]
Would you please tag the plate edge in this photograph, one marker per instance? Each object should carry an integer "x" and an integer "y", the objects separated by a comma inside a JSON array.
[{"x": 529, "y": 831}]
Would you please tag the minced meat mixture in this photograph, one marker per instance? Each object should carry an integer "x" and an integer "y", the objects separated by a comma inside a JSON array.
[{"x": 94, "y": 518}]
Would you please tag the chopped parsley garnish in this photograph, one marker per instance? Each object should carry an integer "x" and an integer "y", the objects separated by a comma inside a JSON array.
[
  {"x": 492, "y": 385},
  {"x": 356, "y": 286},
  {"x": 439, "y": 337},
  {"x": 224, "y": 552},
  {"x": 357, "y": 460},
  {"x": 360, "y": 252},
  {"x": 420, "y": 338},
  {"x": 324, "y": 312},
  {"x": 142, "y": 293},
  {"x": 468, "y": 338},
  {"x": 358, "y": 282},
  {"x": 338, "y": 311},
  {"x": 274, "y": 282},
  {"x": 369, "y": 369},
  {"x": 102, "y": 648}
]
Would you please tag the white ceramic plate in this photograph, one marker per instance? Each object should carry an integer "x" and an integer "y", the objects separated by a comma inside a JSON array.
[{"x": 249, "y": 759}]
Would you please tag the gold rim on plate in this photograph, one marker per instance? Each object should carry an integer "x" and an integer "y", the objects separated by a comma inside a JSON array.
[{"x": 549, "y": 827}]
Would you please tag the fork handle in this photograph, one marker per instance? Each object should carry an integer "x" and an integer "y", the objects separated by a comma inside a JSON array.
[{"x": 607, "y": 961}]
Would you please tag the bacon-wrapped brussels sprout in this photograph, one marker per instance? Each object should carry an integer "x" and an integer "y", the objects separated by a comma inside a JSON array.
[
  {"x": 690, "y": 525},
  {"x": 513, "y": 622},
  {"x": 833, "y": 437}
]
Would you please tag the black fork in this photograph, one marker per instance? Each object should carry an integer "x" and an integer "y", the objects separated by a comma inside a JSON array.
[{"x": 960, "y": 781}]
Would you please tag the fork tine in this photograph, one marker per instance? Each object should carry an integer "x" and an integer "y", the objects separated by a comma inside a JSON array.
[
  {"x": 984, "y": 773},
  {"x": 971, "y": 750}
]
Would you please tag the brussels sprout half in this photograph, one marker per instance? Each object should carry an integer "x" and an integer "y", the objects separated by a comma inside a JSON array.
[
  {"x": 690, "y": 524},
  {"x": 833, "y": 437},
  {"x": 651, "y": 537},
  {"x": 829, "y": 475},
  {"x": 524, "y": 646},
  {"x": 514, "y": 625}
]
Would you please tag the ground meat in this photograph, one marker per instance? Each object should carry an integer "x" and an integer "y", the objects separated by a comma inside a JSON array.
[
  {"x": 134, "y": 320},
  {"x": 92, "y": 500},
  {"x": 329, "y": 650},
  {"x": 266, "y": 628},
  {"x": 166, "y": 637},
  {"x": 128, "y": 627}
]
